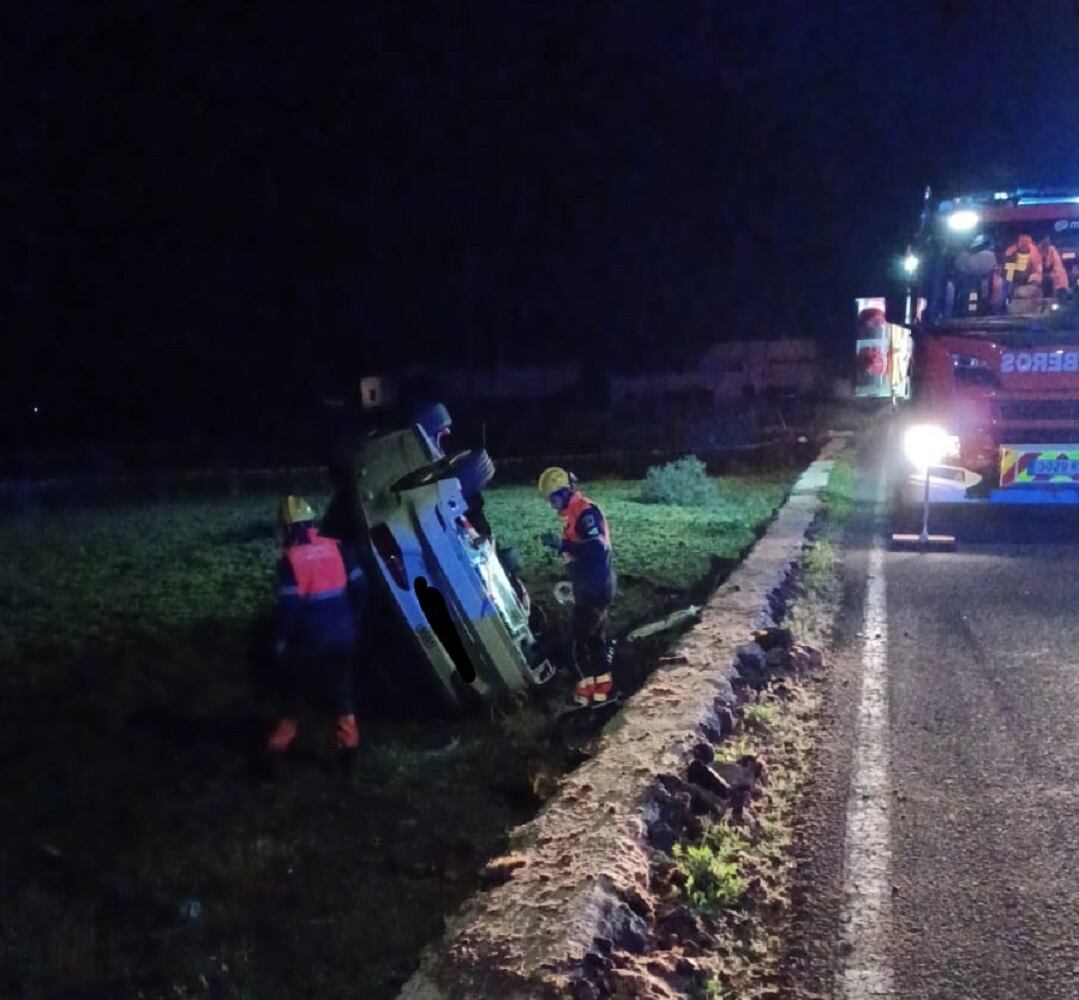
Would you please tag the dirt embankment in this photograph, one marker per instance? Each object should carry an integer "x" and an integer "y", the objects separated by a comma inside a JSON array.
[{"x": 573, "y": 910}]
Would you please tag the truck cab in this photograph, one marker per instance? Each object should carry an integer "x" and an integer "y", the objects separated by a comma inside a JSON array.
[{"x": 996, "y": 333}]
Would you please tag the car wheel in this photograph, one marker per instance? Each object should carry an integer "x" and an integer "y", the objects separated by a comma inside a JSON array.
[
  {"x": 474, "y": 470},
  {"x": 433, "y": 416}
]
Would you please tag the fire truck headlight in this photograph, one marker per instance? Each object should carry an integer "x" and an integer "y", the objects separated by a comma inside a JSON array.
[
  {"x": 929, "y": 444},
  {"x": 962, "y": 221},
  {"x": 910, "y": 263}
]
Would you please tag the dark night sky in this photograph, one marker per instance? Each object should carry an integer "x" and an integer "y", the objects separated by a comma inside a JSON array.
[{"x": 214, "y": 207}]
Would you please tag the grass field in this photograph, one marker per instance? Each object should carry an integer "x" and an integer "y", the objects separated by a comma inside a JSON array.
[
  {"x": 136, "y": 855},
  {"x": 662, "y": 552}
]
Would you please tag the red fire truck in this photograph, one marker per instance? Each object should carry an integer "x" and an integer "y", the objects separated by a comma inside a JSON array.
[{"x": 993, "y": 307}]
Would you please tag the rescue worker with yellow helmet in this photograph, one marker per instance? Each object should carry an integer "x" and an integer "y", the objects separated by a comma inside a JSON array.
[
  {"x": 585, "y": 545},
  {"x": 321, "y": 594}
]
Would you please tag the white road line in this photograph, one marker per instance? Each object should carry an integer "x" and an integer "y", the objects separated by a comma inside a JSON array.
[{"x": 867, "y": 904}]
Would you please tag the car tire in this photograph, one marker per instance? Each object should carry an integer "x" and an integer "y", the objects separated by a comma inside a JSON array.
[
  {"x": 433, "y": 415},
  {"x": 474, "y": 470}
]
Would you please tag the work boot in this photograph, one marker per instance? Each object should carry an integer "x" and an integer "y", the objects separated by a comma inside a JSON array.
[
  {"x": 584, "y": 691},
  {"x": 347, "y": 735},
  {"x": 280, "y": 742},
  {"x": 602, "y": 689},
  {"x": 282, "y": 736}
]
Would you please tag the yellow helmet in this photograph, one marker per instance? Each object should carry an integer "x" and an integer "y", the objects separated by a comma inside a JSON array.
[
  {"x": 295, "y": 510},
  {"x": 554, "y": 479}
]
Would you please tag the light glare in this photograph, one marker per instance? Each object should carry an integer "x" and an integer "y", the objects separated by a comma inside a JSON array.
[
  {"x": 910, "y": 263},
  {"x": 962, "y": 221},
  {"x": 928, "y": 444}
]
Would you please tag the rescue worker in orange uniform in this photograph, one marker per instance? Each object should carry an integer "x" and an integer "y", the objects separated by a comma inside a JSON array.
[
  {"x": 585, "y": 545},
  {"x": 1023, "y": 262},
  {"x": 1053, "y": 267},
  {"x": 1023, "y": 277},
  {"x": 321, "y": 592}
]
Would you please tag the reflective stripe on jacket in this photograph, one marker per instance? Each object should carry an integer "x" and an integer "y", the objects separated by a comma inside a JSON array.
[{"x": 1023, "y": 259}]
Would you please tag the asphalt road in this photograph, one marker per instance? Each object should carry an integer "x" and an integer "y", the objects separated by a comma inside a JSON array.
[
  {"x": 983, "y": 672},
  {"x": 981, "y": 784}
]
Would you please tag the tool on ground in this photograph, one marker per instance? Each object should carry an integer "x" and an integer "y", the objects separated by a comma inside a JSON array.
[{"x": 663, "y": 624}]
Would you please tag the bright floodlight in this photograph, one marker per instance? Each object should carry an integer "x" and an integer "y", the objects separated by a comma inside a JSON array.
[
  {"x": 962, "y": 221},
  {"x": 910, "y": 263},
  {"x": 928, "y": 444}
]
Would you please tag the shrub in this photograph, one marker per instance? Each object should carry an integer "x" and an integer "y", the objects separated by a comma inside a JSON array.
[
  {"x": 684, "y": 483},
  {"x": 711, "y": 873},
  {"x": 819, "y": 566},
  {"x": 712, "y": 881}
]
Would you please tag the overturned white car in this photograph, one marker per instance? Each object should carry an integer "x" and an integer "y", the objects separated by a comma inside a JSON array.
[{"x": 444, "y": 577}]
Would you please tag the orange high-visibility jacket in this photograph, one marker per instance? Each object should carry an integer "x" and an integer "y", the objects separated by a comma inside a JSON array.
[
  {"x": 320, "y": 593},
  {"x": 586, "y": 540},
  {"x": 1023, "y": 258}
]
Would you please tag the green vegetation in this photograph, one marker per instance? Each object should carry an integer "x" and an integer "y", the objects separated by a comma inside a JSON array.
[
  {"x": 818, "y": 566},
  {"x": 780, "y": 731},
  {"x": 662, "y": 552},
  {"x": 682, "y": 483},
  {"x": 131, "y": 577},
  {"x": 711, "y": 868},
  {"x": 123, "y": 643},
  {"x": 139, "y": 575},
  {"x": 757, "y": 716},
  {"x": 839, "y": 496},
  {"x": 747, "y": 868},
  {"x": 819, "y": 583}
]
